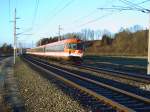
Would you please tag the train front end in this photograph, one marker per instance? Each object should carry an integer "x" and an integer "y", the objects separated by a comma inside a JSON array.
[{"x": 74, "y": 49}]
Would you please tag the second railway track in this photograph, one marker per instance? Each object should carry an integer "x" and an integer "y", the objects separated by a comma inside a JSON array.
[
  {"x": 113, "y": 82},
  {"x": 131, "y": 76},
  {"x": 143, "y": 79},
  {"x": 116, "y": 97}
]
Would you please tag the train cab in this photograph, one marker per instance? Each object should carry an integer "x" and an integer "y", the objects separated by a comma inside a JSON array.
[{"x": 74, "y": 48}]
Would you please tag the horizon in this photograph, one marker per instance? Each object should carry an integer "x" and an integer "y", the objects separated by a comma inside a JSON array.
[
  {"x": 131, "y": 29},
  {"x": 41, "y": 18}
]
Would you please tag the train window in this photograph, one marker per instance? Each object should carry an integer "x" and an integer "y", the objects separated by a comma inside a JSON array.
[
  {"x": 80, "y": 46},
  {"x": 75, "y": 46},
  {"x": 55, "y": 48},
  {"x": 60, "y": 47},
  {"x": 39, "y": 49},
  {"x": 72, "y": 46}
]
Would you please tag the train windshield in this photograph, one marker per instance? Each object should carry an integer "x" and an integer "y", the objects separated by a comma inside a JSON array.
[
  {"x": 76, "y": 46},
  {"x": 80, "y": 46}
]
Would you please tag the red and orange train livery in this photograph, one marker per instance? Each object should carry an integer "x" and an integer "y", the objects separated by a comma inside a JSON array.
[{"x": 68, "y": 49}]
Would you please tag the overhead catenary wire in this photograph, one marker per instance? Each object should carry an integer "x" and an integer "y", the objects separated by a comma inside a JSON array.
[
  {"x": 61, "y": 9},
  {"x": 116, "y": 8},
  {"x": 58, "y": 5},
  {"x": 81, "y": 18},
  {"x": 89, "y": 14},
  {"x": 33, "y": 20},
  {"x": 136, "y": 7},
  {"x": 9, "y": 9},
  {"x": 143, "y": 2},
  {"x": 97, "y": 19},
  {"x": 139, "y": 3},
  {"x": 35, "y": 13},
  {"x": 85, "y": 16},
  {"x": 133, "y": 5},
  {"x": 54, "y": 9},
  {"x": 130, "y": 6}
]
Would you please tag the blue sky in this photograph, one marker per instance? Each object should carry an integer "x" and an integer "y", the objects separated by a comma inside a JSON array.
[{"x": 42, "y": 17}]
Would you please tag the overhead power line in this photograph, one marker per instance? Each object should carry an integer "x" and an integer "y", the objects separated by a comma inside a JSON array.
[
  {"x": 97, "y": 19},
  {"x": 120, "y": 8},
  {"x": 70, "y": 2},
  {"x": 15, "y": 35},
  {"x": 58, "y": 5},
  {"x": 35, "y": 13},
  {"x": 92, "y": 12},
  {"x": 133, "y": 5},
  {"x": 54, "y": 9},
  {"x": 9, "y": 9},
  {"x": 61, "y": 9},
  {"x": 59, "y": 31},
  {"x": 144, "y": 2}
]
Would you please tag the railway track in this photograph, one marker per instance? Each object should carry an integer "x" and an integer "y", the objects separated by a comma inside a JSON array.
[
  {"x": 124, "y": 65},
  {"x": 111, "y": 82},
  {"x": 144, "y": 79},
  {"x": 114, "y": 98},
  {"x": 126, "y": 75}
]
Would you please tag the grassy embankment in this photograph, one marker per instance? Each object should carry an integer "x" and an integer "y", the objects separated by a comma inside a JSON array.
[{"x": 124, "y": 43}]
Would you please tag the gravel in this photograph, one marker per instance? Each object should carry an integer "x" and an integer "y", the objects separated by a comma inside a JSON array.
[
  {"x": 107, "y": 76},
  {"x": 40, "y": 94},
  {"x": 6, "y": 69}
]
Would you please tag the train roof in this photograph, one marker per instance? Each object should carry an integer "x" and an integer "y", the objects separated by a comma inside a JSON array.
[{"x": 70, "y": 40}]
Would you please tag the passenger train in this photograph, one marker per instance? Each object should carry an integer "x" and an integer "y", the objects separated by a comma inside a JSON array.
[{"x": 68, "y": 49}]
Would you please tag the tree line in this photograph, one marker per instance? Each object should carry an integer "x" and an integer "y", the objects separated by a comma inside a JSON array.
[
  {"x": 128, "y": 41},
  {"x": 6, "y": 49},
  {"x": 87, "y": 35},
  {"x": 123, "y": 43}
]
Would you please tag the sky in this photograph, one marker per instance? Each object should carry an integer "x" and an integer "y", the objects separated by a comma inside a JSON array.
[{"x": 41, "y": 18}]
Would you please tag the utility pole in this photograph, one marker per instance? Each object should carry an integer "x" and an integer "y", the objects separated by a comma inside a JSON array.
[
  {"x": 15, "y": 37},
  {"x": 40, "y": 41},
  {"x": 32, "y": 43},
  {"x": 20, "y": 49},
  {"x": 148, "y": 66},
  {"x": 59, "y": 29},
  {"x": 143, "y": 11}
]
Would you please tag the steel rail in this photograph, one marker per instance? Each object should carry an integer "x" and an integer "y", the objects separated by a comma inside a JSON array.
[
  {"x": 96, "y": 77},
  {"x": 104, "y": 85},
  {"x": 133, "y": 77},
  {"x": 119, "y": 107},
  {"x": 139, "y": 78}
]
